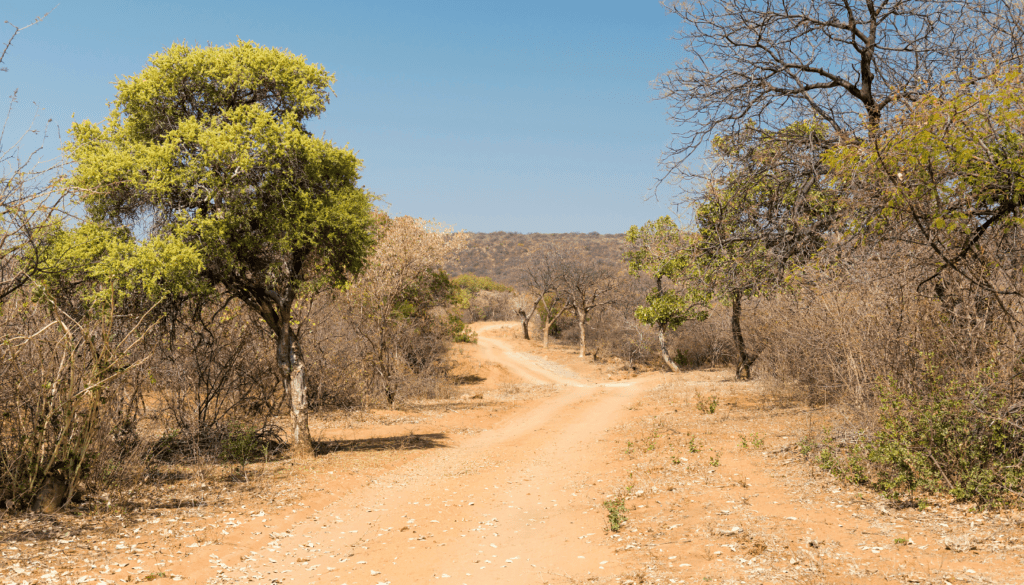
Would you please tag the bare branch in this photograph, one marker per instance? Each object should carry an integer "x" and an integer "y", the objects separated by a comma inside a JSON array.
[
  {"x": 18, "y": 29},
  {"x": 844, "y": 62}
]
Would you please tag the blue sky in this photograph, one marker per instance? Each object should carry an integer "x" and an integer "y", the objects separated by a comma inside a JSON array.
[{"x": 522, "y": 116}]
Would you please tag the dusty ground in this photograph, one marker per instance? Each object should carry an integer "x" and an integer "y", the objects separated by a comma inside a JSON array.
[{"x": 511, "y": 483}]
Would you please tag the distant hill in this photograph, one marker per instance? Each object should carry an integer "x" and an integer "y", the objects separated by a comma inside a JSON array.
[{"x": 499, "y": 255}]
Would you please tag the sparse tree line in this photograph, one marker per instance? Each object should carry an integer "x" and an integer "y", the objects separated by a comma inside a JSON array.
[
  {"x": 600, "y": 305},
  {"x": 222, "y": 270}
]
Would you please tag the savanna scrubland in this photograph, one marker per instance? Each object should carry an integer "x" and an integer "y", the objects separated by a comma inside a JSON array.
[{"x": 201, "y": 276}]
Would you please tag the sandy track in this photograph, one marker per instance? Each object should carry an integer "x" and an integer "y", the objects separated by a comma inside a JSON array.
[{"x": 509, "y": 505}]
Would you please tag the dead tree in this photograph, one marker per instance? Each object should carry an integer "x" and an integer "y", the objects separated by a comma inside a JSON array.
[
  {"x": 588, "y": 284},
  {"x": 844, "y": 62}
]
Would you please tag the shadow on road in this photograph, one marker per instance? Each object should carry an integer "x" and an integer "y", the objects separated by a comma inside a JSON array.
[
  {"x": 410, "y": 442},
  {"x": 466, "y": 380}
]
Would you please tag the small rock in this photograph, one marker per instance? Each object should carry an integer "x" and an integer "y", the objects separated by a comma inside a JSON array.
[{"x": 959, "y": 543}]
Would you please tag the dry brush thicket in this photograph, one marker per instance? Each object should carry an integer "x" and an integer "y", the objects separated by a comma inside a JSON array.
[
  {"x": 95, "y": 402},
  {"x": 924, "y": 394}
]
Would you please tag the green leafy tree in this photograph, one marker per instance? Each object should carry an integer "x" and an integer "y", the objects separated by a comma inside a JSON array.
[
  {"x": 658, "y": 249},
  {"x": 206, "y": 150},
  {"x": 767, "y": 211}
]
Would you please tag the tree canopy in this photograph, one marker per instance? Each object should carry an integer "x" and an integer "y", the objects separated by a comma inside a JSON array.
[
  {"x": 206, "y": 150},
  {"x": 659, "y": 248},
  {"x": 945, "y": 182}
]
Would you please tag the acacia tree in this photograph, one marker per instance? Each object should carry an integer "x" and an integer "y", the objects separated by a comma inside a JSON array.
[
  {"x": 659, "y": 250},
  {"x": 206, "y": 153},
  {"x": 588, "y": 284}
]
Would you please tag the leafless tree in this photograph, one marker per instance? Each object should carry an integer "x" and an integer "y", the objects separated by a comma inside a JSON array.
[
  {"x": 588, "y": 284},
  {"x": 524, "y": 305},
  {"x": 10, "y": 39},
  {"x": 541, "y": 278},
  {"x": 29, "y": 195},
  {"x": 845, "y": 62}
]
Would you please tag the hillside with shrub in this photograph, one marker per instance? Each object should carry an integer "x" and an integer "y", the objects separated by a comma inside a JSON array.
[{"x": 501, "y": 256}]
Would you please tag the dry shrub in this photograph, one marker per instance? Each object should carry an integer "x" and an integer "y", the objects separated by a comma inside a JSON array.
[
  {"x": 697, "y": 344},
  {"x": 930, "y": 384},
  {"x": 213, "y": 373},
  {"x": 835, "y": 341},
  {"x": 613, "y": 331},
  {"x": 489, "y": 305},
  {"x": 386, "y": 337},
  {"x": 356, "y": 360},
  {"x": 617, "y": 334},
  {"x": 833, "y": 345},
  {"x": 69, "y": 404}
]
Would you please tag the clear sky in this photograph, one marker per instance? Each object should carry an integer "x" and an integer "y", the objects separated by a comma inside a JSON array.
[{"x": 487, "y": 115}]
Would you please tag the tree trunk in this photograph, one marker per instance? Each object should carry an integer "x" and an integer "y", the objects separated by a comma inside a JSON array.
[
  {"x": 664, "y": 350},
  {"x": 743, "y": 361},
  {"x": 293, "y": 371},
  {"x": 547, "y": 327},
  {"x": 661, "y": 336},
  {"x": 302, "y": 442},
  {"x": 583, "y": 333},
  {"x": 526, "y": 324}
]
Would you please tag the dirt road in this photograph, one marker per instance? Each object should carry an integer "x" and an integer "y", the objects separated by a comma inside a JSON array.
[{"x": 516, "y": 504}]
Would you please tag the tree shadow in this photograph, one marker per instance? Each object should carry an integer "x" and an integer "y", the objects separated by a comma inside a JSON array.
[
  {"x": 467, "y": 380},
  {"x": 409, "y": 442},
  {"x": 174, "y": 504},
  {"x": 450, "y": 405}
]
